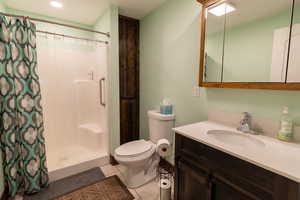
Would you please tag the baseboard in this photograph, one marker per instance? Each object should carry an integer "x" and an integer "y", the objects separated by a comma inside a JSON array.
[{"x": 113, "y": 161}]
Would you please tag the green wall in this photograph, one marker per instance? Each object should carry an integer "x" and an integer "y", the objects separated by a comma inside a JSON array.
[
  {"x": 169, "y": 64},
  {"x": 169, "y": 68}
]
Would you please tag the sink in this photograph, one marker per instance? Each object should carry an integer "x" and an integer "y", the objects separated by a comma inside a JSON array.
[{"x": 236, "y": 139}]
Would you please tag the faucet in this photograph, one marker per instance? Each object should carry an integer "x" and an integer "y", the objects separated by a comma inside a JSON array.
[{"x": 245, "y": 123}]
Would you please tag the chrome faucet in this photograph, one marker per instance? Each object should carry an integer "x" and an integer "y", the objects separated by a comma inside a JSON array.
[{"x": 245, "y": 123}]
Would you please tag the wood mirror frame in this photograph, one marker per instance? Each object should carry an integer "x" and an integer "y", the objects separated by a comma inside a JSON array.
[{"x": 240, "y": 85}]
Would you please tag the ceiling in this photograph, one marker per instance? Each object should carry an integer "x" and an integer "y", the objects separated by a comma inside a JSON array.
[{"x": 85, "y": 11}]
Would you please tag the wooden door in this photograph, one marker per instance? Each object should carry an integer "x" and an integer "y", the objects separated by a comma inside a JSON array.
[{"x": 129, "y": 78}]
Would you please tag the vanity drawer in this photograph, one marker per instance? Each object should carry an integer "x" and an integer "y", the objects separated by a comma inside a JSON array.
[{"x": 247, "y": 176}]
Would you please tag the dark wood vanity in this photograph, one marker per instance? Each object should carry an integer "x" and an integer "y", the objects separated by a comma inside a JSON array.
[{"x": 204, "y": 173}]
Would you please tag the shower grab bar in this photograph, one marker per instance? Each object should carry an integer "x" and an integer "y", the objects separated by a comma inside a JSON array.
[{"x": 102, "y": 91}]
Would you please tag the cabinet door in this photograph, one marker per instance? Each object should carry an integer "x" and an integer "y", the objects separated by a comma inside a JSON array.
[
  {"x": 192, "y": 183},
  {"x": 223, "y": 189}
]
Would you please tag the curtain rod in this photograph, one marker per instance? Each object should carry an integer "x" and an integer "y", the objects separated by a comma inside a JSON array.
[
  {"x": 74, "y": 37},
  {"x": 56, "y": 23}
]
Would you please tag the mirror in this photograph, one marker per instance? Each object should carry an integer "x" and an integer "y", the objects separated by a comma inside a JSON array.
[
  {"x": 214, "y": 44},
  {"x": 294, "y": 58},
  {"x": 248, "y": 41},
  {"x": 257, "y": 41}
]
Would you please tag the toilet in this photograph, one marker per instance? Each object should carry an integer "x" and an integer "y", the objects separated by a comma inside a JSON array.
[{"x": 139, "y": 157}]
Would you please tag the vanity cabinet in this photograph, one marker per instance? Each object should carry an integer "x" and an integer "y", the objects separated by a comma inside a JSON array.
[
  {"x": 204, "y": 173},
  {"x": 194, "y": 182},
  {"x": 226, "y": 190}
]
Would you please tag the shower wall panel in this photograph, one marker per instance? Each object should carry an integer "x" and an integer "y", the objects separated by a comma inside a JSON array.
[{"x": 75, "y": 121}]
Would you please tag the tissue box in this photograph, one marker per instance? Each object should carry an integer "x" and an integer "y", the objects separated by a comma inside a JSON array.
[{"x": 166, "y": 109}]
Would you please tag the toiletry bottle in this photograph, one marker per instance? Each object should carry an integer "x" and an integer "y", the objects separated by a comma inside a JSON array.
[{"x": 286, "y": 126}]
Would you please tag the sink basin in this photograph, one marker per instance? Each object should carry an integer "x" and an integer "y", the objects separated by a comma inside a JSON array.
[{"x": 236, "y": 139}]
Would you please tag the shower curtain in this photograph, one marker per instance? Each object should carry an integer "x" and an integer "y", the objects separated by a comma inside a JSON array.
[{"x": 21, "y": 124}]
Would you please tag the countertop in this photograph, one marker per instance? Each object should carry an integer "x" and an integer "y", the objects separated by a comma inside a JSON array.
[{"x": 282, "y": 158}]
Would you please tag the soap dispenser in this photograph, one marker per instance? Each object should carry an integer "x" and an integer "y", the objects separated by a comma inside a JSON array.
[{"x": 286, "y": 126}]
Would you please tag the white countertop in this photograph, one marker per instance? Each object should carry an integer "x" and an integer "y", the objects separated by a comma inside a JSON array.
[{"x": 279, "y": 157}]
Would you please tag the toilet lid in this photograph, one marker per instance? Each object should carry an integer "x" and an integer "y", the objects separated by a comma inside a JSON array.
[{"x": 133, "y": 148}]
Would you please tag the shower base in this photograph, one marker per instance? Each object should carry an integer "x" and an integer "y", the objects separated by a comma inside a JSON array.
[{"x": 73, "y": 160}]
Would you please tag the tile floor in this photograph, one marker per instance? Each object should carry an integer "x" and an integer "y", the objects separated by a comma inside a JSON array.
[{"x": 149, "y": 191}]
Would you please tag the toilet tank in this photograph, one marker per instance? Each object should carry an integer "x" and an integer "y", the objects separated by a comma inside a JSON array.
[{"x": 160, "y": 126}]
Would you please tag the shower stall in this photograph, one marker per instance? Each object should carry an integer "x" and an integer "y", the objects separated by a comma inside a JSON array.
[{"x": 73, "y": 76}]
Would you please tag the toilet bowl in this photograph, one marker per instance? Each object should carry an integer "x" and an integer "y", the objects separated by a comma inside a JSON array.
[
  {"x": 139, "y": 157},
  {"x": 140, "y": 161}
]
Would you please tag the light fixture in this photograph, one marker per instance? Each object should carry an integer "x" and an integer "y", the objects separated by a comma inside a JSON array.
[
  {"x": 56, "y": 4},
  {"x": 221, "y": 9}
]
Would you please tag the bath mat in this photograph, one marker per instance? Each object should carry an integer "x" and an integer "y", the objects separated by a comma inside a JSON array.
[
  {"x": 68, "y": 184},
  {"x": 110, "y": 188}
]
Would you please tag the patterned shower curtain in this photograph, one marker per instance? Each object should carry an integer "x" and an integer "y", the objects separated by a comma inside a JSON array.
[{"x": 21, "y": 124}]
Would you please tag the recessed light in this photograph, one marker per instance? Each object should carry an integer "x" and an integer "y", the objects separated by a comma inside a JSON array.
[
  {"x": 56, "y": 4},
  {"x": 221, "y": 9}
]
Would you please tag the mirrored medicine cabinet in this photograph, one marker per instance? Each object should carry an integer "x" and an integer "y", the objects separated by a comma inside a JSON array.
[{"x": 251, "y": 44}]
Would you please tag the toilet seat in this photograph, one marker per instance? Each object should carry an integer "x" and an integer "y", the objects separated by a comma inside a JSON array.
[
  {"x": 135, "y": 151},
  {"x": 134, "y": 148}
]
